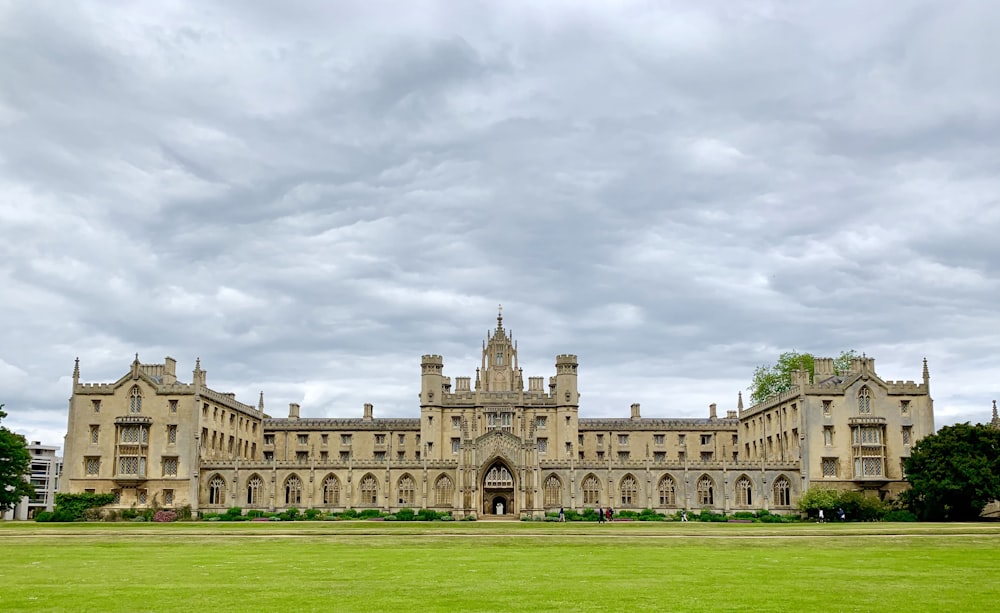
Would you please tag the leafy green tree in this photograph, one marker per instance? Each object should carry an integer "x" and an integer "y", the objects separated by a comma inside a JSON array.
[
  {"x": 15, "y": 462},
  {"x": 777, "y": 378},
  {"x": 955, "y": 473}
]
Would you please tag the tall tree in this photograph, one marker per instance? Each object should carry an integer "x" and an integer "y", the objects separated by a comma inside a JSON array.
[
  {"x": 955, "y": 473},
  {"x": 777, "y": 378},
  {"x": 15, "y": 462}
]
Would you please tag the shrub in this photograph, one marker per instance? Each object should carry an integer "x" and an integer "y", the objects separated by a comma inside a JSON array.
[
  {"x": 234, "y": 512},
  {"x": 899, "y": 515},
  {"x": 70, "y": 507},
  {"x": 254, "y": 513},
  {"x": 469, "y": 517},
  {"x": 447, "y": 517},
  {"x": 91, "y": 514},
  {"x": 129, "y": 514},
  {"x": 427, "y": 515},
  {"x": 184, "y": 512},
  {"x": 348, "y": 514},
  {"x": 44, "y": 516},
  {"x": 408, "y": 514},
  {"x": 312, "y": 514},
  {"x": 164, "y": 516},
  {"x": 369, "y": 514}
]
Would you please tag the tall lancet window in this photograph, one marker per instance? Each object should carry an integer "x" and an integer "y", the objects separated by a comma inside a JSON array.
[{"x": 499, "y": 359}]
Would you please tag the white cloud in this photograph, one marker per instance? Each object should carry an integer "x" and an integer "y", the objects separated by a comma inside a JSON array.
[{"x": 310, "y": 196}]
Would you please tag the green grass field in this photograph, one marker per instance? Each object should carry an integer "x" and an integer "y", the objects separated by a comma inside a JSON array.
[{"x": 498, "y": 566}]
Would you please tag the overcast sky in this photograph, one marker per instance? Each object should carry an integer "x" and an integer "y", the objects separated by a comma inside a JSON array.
[{"x": 310, "y": 195}]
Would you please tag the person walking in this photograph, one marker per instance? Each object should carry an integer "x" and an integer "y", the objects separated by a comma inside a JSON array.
[
  {"x": 562, "y": 514},
  {"x": 821, "y": 516},
  {"x": 600, "y": 515}
]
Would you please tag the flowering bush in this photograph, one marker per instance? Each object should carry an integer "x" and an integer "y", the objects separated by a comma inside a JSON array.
[{"x": 165, "y": 516}]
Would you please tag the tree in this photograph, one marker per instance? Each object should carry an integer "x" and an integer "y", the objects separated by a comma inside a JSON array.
[
  {"x": 955, "y": 473},
  {"x": 775, "y": 379},
  {"x": 15, "y": 462}
]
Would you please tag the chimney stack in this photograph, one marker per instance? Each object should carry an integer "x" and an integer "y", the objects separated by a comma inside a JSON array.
[
  {"x": 711, "y": 411},
  {"x": 368, "y": 411},
  {"x": 635, "y": 410},
  {"x": 293, "y": 410}
]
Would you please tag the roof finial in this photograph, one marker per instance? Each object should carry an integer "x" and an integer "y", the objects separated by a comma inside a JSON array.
[
  {"x": 995, "y": 417},
  {"x": 260, "y": 403},
  {"x": 76, "y": 372},
  {"x": 197, "y": 363},
  {"x": 136, "y": 357},
  {"x": 499, "y": 317},
  {"x": 927, "y": 374},
  {"x": 739, "y": 400}
]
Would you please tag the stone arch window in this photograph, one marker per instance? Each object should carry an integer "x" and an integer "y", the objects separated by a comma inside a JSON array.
[
  {"x": 407, "y": 491},
  {"x": 864, "y": 401},
  {"x": 627, "y": 490},
  {"x": 591, "y": 490},
  {"x": 499, "y": 476},
  {"x": 706, "y": 491},
  {"x": 331, "y": 491},
  {"x": 293, "y": 490},
  {"x": 444, "y": 490},
  {"x": 782, "y": 492},
  {"x": 744, "y": 491},
  {"x": 667, "y": 489},
  {"x": 135, "y": 400},
  {"x": 217, "y": 490},
  {"x": 553, "y": 491},
  {"x": 255, "y": 488},
  {"x": 369, "y": 490}
]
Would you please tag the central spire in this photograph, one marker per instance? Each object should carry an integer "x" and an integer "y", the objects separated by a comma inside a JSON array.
[{"x": 499, "y": 367}]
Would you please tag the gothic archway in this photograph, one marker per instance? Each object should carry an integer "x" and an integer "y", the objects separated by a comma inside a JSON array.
[{"x": 498, "y": 489}]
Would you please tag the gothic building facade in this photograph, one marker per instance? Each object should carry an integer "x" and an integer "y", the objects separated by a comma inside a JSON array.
[{"x": 489, "y": 445}]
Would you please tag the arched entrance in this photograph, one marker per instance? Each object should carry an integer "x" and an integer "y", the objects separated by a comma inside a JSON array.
[{"x": 498, "y": 490}]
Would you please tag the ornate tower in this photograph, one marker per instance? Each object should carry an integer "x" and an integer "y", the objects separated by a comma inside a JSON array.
[{"x": 499, "y": 371}]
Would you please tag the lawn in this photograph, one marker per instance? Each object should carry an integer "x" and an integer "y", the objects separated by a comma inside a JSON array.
[{"x": 499, "y": 566}]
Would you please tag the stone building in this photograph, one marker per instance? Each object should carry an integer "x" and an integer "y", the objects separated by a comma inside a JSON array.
[{"x": 488, "y": 445}]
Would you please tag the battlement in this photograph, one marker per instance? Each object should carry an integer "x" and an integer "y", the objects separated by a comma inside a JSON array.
[
  {"x": 566, "y": 358},
  {"x": 431, "y": 358}
]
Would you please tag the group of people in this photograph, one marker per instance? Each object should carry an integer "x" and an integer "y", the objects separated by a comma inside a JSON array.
[
  {"x": 840, "y": 515},
  {"x": 605, "y": 514}
]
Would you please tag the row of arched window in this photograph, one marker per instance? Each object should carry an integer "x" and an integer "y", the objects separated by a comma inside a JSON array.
[
  {"x": 666, "y": 492},
  {"x": 291, "y": 491}
]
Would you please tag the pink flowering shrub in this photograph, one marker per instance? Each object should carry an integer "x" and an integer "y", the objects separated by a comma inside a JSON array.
[{"x": 163, "y": 516}]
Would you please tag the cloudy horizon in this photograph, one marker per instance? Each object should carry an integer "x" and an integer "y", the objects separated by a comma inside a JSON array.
[{"x": 310, "y": 196}]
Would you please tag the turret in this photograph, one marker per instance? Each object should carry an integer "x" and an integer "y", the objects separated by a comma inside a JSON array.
[
  {"x": 198, "y": 376},
  {"x": 431, "y": 380},
  {"x": 565, "y": 388}
]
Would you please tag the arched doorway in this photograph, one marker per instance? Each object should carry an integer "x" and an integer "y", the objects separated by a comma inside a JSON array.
[{"x": 498, "y": 490}]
